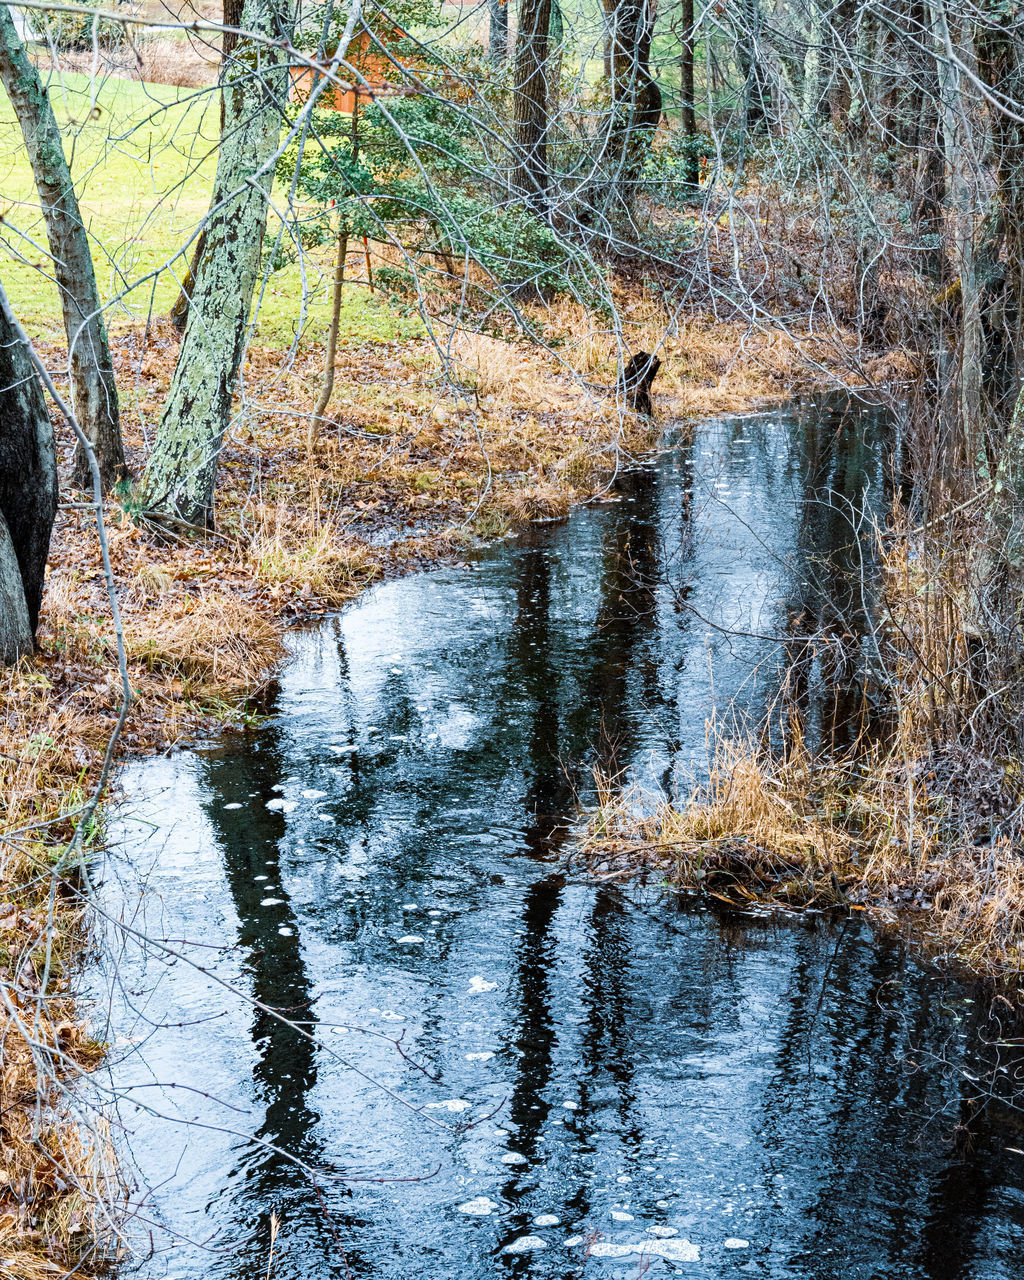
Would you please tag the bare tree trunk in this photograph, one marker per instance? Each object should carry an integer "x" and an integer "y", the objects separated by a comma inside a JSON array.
[
  {"x": 498, "y": 13},
  {"x": 28, "y": 492},
  {"x": 963, "y": 168},
  {"x": 327, "y": 388},
  {"x": 636, "y": 99},
  {"x": 182, "y": 470},
  {"x": 749, "y": 54},
  {"x": 691, "y": 169},
  {"x": 1007, "y": 507},
  {"x": 232, "y": 11},
  {"x": 332, "y": 335},
  {"x": 1002, "y": 51},
  {"x": 839, "y": 43},
  {"x": 530, "y": 102},
  {"x": 93, "y": 389}
]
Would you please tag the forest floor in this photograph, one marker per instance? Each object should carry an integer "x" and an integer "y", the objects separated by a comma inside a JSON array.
[{"x": 411, "y": 472}]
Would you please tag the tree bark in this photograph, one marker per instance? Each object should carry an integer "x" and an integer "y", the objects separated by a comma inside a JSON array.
[
  {"x": 498, "y": 14},
  {"x": 232, "y": 16},
  {"x": 93, "y": 389},
  {"x": 182, "y": 470},
  {"x": 28, "y": 492},
  {"x": 1007, "y": 507},
  {"x": 756, "y": 88},
  {"x": 530, "y": 102},
  {"x": 691, "y": 169},
  {"x": 636, "y": 99},
  {"x": 1002, "y": 62},
  {"x": 327, "y": 388},
  {"x": 963, "y": 199}
]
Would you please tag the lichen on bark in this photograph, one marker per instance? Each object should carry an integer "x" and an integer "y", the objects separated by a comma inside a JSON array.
[
  {"x": 93, "y": 387},
  {"x": 181, "y": 473}
]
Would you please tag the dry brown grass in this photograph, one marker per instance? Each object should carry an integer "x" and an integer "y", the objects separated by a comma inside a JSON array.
[
  {"x": 190, "y": 63},
  {"x": 313, "y": 553},
  {"x": 54, "y": 1175},
  {"x": 882, "y": 834}
]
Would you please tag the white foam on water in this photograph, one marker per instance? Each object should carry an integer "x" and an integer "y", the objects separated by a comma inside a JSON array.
[
  {"x": 478, "y": 1208},
  {"x": 271, "y": 902},
  {"x": 452, "y": 1104},
  {"x": 411, "y": 937},
  {"x": 525, "y": 1244},
  {"x": 311, "y": 793},
  {"x": 670, "y": 1250},
  {"x": 513, "y": 1157},
  {"x": 734, "y": 1242},
  {"x": 479, "y": 1057},
  {"x": 233, "y": 805},
  {"x": 284, "y": 806},
  {"x": 546, "y": 1220},
  {"x": 620, "y": 1215},
  {"x": 477, "y": 986}
]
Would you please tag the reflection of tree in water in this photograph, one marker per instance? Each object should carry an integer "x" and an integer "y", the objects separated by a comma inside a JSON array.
[
  {"x": 848, "y": 1011},
  {"x": 624, "y": 626},
  {"x": 619, "y": 675},
  {"x": 285, "y": 1070},
  {"x": 609, "y": 1041},
  {"x": 837, "y": 446}
]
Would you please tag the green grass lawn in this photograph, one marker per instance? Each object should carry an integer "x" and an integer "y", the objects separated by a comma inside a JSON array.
[{"x": 143, "y": 157}]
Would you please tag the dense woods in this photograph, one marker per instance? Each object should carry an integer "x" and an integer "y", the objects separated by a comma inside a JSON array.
[{"x": 337, "y": 291}]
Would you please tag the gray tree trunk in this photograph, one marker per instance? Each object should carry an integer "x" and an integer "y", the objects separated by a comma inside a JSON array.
[
  {"x": 93, "y": 389},
  {"x": 182, "y": 469},
  {"x": 1007, "y": 507},
  {"x": 498, "y": 36},
  {"x": 28, "y": 492}
]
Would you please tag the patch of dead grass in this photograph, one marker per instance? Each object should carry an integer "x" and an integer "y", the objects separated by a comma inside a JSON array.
[{"x": 866, "y": 835}]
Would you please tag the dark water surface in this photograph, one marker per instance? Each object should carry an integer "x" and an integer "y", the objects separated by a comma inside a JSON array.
[{"x": 610, "y": 1081}]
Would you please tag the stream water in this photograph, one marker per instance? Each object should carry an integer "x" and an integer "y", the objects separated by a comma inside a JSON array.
[{"x": 490, "y": 1065}]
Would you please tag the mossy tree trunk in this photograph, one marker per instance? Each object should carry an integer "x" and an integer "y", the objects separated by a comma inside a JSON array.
[
  {"x": 28, "y": 492},
  {"x": 497, "y": 11},
  {"x": 179, "y": 480},
  {"x": 232, "y": 13},
  {"x": 94, "y": 391}
]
